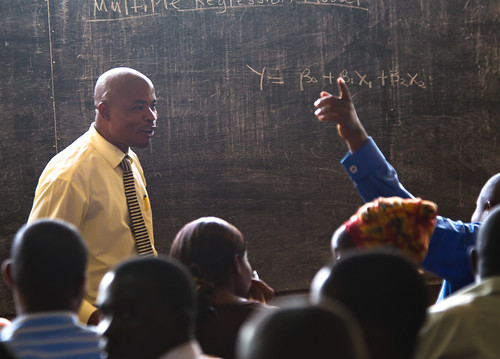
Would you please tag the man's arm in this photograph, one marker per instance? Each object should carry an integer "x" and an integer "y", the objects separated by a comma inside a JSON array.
[
  {"x": 374, "y": 177},
  {"x": 59, "y": 198},
  {"x": 364, "y": 158}
]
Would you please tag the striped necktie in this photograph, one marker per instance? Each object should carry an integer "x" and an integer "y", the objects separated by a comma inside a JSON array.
[{"x": 139, "y": 229}]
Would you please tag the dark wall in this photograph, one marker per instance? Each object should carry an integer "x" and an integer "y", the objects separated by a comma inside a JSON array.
[{"x": 236, "y": 80}]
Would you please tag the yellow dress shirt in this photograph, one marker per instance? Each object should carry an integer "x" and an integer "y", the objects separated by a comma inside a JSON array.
[{"x": 83, "y": 185}]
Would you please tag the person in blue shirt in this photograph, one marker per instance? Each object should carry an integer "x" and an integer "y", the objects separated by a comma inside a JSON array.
[
  {"x": 374, "y": 177},
  {"x": 46, "y": 272}
]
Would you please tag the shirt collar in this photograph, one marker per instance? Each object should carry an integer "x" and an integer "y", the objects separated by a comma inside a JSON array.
[{"x": 112, "y": 154}]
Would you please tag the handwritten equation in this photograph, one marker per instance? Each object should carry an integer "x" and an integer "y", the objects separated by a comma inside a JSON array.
[
  {"x": 267, "y": 77},
  {"x": 113, "y": 10}
]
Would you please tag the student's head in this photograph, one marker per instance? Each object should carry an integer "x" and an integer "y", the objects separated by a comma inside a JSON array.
[
  {"x": 404, "y": 224},
  {"x": 302, "y": 332},
  {"x": 47, "y": 265},
  {"x": 385, "y": 293},
  {"x": 485, "y": 257},
  {"x": 487, "y": 199},
  {"x": 125, "y": 104},
  {"x": 147, "y": 307},
  {"x": 215, "y": 252}
]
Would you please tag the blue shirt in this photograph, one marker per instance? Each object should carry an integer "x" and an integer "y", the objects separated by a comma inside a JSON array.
[
  {"x": 448, "y": 255},
  {"x": 51, "y": 335}
]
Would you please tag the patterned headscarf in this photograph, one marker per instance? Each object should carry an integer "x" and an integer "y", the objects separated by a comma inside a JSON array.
[{"x": 406, "y": 224}]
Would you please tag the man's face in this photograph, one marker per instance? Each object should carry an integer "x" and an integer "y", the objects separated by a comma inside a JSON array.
[
  {"x": 132, "y": 114},
  {"x": 480, "y": 213},
  {"x": 130, "y": 325}
]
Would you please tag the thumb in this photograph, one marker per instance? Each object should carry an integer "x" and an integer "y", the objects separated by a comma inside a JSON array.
[{"x": 344, "y": 91}]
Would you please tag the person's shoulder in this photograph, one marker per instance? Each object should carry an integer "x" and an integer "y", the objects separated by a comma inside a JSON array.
[
  {"x": 468, "y": 298},
  {"x": 242, "y": 308},
  {"x": 250, "y": 306},
  {"x": 70, "y": 157},
  {"x": 456, "y": 307},
  {"x": 255, "y": 305},
  {"x": 87, "y": 331}
]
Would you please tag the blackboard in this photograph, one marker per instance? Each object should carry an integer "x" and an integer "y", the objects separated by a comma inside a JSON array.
[{"x": 236, "y": 80}]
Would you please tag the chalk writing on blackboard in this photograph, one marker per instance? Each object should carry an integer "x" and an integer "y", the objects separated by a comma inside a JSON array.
[
  {"x": 268, "y": 77},
  {"x": 111, "y": 10}
]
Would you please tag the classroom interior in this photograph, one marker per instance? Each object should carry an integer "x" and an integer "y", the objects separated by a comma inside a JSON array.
[{"x": 237, "y": 137}]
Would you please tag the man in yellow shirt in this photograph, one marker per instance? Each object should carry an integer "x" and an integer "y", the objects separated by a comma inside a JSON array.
[{"x": 84, "y": 185}]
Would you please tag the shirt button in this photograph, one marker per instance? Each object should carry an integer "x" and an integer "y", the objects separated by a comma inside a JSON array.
[{"x": 353, "y": 169}]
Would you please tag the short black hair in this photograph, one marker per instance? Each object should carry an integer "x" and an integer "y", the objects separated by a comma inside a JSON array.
[
  {"x": 49, "y": 260},
  {"x": 165, "y": 281},
  {"x": 301, "y": 332},
  {"x": 384, "y": 291}
]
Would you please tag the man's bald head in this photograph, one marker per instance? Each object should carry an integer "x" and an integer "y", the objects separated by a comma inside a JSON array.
[
  {"x": 125, "y": 103},
  {"x": 487, "y": 199},
  {"x": 115, "y": 82}
]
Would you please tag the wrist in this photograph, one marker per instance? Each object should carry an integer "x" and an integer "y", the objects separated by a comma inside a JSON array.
[{"x": 355, "y": 137}]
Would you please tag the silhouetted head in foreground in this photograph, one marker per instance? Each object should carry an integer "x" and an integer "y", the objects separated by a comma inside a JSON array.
[
  {"x": 386, "y": 294},
  {"x": 302, "y": 332}
]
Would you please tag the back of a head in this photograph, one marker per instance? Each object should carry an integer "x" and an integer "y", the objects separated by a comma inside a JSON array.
[
  {"x": 161, "y": 282},
  {"x": 385, "y": 293},
  {"x": 49, "y": 260},
  {"x": 148, "y": 306},
  {"x": 114, "y": 80},
  {"x": 488, "y": 198},
  {"x": 488, "y": 245},
  {"x": 301, "y": 332},
  {"x": 207, "y": 246}
]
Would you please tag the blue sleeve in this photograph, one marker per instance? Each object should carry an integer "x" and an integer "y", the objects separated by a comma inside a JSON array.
[
  {"x": 372, "y": 175},
  {"x": 448, "y": 255}
]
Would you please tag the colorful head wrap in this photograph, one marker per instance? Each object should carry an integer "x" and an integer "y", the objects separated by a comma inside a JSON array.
[{"x": 406, "y": 224}]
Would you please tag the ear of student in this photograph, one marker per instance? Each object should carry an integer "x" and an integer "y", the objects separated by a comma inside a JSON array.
[{"x": 7, "y": 273}]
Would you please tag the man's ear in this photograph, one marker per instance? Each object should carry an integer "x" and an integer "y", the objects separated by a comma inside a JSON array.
[
  {"x": 7, "y": 273},
  {"x": 103, "y": 109},
  {"x": 473, "y": 258}
]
